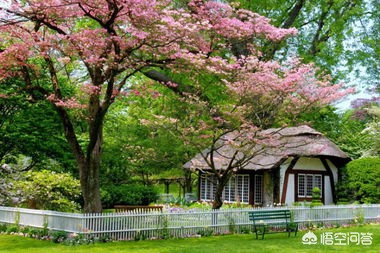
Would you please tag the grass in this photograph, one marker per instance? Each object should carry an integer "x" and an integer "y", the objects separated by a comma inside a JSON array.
[{"x": 220, "y": 244}]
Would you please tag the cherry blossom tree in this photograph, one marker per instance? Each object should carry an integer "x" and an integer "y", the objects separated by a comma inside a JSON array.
[
  {"x": 262, "y": 95},
  {"x": 81, "y": 55}
]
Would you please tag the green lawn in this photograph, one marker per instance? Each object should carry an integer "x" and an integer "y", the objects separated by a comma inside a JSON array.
[{"x": 277, "y": 243}]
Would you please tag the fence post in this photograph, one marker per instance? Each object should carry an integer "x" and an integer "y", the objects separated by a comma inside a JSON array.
[
  {"x": 214, "y": 217},
  {"x": 17, "y": 218}
]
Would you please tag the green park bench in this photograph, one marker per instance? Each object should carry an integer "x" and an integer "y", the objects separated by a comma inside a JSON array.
[{"x": 272, "y": 221}]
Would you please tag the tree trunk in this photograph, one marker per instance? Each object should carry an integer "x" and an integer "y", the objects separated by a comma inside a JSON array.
[
  {"x": 89, "y": 163},
  {"x": 90, "y": 171},
  {"x": 221, "y": 183},
  {"x": 188, "y": 182},
  {"x": 89, "y": 178},
  {"x": 218, "y": 201}
]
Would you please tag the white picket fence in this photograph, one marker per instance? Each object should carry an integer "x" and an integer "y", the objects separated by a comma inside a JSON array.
[{"x": 179, "y": 223}]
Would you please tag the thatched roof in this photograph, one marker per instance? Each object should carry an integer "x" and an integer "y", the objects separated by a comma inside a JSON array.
[{"x": 302, "y": 141}]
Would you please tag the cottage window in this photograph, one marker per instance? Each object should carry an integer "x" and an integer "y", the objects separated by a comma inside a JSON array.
[
  {"x": 237, "y": 188},
  {"x": 229, "y": 190},
  {"x": 207, "y": 188},
  {"x": 306, "y": 183},
  {"x": 258, "y": 190},
  {"x": 243, "y": 188}
]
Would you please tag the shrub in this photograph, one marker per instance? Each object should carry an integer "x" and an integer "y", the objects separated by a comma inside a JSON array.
[
  {"x": 206, "y": 232},
  {"x": 58, "y": 236},
  {"x": 128, "y": 195},
  {"x": 3, "y": 227},
  {"x": 78, "y": 239},
  {"x": 316, "y": 197},
  {"x": 49, "y": 190},
  {"x": 140, "y": 236},
  {"x": 360, "y": 180},
  {"x": 13, "y": 229},
  {"x": 245, "y": 230},
  {"x": 38, "y": 233},
  {"x": 25, "y": 230}
]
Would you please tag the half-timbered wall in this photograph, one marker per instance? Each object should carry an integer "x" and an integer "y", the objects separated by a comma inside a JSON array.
[
  {"x": 295, "y": 181},
  {"x": 298, "y": 176}
]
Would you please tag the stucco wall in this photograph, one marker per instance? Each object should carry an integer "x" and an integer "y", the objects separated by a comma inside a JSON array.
[
  {"x": 328, "y": 192},
  {"x": 283, "y": 169},
  {"x": 334, "y": 170},
  {"x": 290, "y": 191},
  {"x": 306, "y": 164},
  {"x": 268, "y": 189}
]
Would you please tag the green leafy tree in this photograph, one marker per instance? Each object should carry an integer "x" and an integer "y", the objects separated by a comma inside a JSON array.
[
  {"x": 39, "y": 137},
  {"x": 143, "y": 140},
  {"x": 24, "y": 123},
  {"x": 10, "y": 106},
  {"x": 345, "y": 130},
  {"x": 339, "y": 36},
  {"x": 360, "y": 181},
  {"x": 373, "y": 129},
  {"x": 370, "y": 111}
]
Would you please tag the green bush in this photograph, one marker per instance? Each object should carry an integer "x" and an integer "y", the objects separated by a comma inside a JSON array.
[
  {"x": 25, "y": 230},
  {"x": 13, "y": 229},
  {"x": 49, "y": 190},
  {"x": 58, "y": 236},
  {"x": 128, "y": 195},
  {"x": 3, "y": 227},
  {"x": 206, "y": 232},
  {"x": 38, "y": 233},
  {"x": 316, "y": 197},
  {"x": 79, "y": 239},
  {"x": 360, "y": 181},
  {"x": 245, "y": 230}
]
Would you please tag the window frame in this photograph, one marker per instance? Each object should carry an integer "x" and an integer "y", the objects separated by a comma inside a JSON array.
[
  {"x": 304, "y": 191},
  {"x": 207, "y": 188},
  {"x": 258, "y": 190}
]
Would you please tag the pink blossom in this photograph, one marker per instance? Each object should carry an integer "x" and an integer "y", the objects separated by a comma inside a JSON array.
[
  {"x": 91, "y": 89},
  {"x": 71, "y": 103},
  {"x": 131, "y": 35},
  {"x": 64, "y": 60}
]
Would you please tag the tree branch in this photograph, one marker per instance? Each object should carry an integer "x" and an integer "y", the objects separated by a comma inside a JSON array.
[
  {"x": 65, "y": 118},
  {"x": 293, "y": 14},
  {"x": 167, "y": 81}
]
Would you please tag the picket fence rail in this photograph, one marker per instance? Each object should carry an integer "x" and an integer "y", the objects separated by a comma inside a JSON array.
[{"x": 177, "y": 222}]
